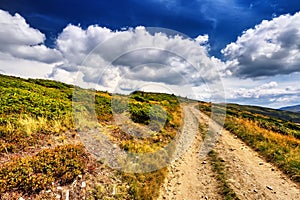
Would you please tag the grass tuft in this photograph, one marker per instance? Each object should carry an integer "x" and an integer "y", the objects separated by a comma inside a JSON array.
[{"x": 219, "y": 168}]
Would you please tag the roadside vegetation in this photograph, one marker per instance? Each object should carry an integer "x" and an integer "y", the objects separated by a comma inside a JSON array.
[
  {"x": 39, "y": 144},
  {"x": 34, "y": 173},
  {"x": 275, "y": 138}
]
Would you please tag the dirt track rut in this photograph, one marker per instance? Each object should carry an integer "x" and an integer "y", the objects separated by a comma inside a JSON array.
[{"x": 249, "y": 175}]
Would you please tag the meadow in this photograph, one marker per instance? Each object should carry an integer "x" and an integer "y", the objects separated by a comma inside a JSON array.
[{"x": 40, "y": 145}]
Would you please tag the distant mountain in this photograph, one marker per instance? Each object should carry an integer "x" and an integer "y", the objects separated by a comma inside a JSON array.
[
  {"x": 286, "y": 115},
  {"x": 295, "y": 108}
]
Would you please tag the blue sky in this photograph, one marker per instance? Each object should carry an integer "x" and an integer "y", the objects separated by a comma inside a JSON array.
[{"x": 252, "y": 46}]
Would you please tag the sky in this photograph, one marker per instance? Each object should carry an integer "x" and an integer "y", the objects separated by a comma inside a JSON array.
[{"x": 240, "y": 51}]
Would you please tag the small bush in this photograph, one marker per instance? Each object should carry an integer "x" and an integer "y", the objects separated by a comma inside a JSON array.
[
  {"x": 145, "y": 186},
  {"x": 139, "y": 113},
  {"x": 35, "y": 173}
]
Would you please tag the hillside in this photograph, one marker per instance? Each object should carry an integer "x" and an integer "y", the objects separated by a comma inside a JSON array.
[
  {"x": 63, "y": 142},
  {"x": 285, "y": 115},
  {"x": 41, "y": 149},
  {"x": 295, "y": 108}
]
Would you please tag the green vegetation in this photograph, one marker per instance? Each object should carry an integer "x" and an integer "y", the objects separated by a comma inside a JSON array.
[
  {"x": 219, "y": 168},
  {"x": 21, "y": 97},
  {"x": 145, "y": 186},
  {"x": 161, "y": 113},
  {"x": 282, "y": 122},
  {"x": 30, "y": 112},
  {"x": 272, "y": 113},
  {"x": 38, "y": 142},
  {"x": 275, "y": 138},
  {"x": 37, "y": 133},
  {"x": 34, "y": 173},
  {"x": 142, "y": 109},
  {"x": 27, "y": 131}
]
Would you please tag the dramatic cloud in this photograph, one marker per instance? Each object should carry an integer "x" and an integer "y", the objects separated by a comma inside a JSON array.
[
  {"x": 271, "y": 48},
  {"x": 110, "y": 58},
  {"x": 19, "y": 40},
  {"x": 101, "y": 58}
]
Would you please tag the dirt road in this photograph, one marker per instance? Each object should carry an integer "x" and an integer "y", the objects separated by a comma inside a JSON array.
[{"x": 249, "y": 175}]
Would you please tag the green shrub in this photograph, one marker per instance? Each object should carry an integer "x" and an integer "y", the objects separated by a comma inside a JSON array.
[
  {"x": 139, "y": 113},
  {"x": 35, "y": 173}
]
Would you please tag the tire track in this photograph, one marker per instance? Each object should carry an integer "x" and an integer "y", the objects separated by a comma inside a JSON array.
[{"x": 189, "y": 176}]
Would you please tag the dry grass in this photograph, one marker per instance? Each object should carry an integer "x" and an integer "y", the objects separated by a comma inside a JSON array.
[{"x": 282, "y": 150}]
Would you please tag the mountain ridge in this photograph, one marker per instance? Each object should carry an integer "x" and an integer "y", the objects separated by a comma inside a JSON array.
[{"x": 294, "y": 108}]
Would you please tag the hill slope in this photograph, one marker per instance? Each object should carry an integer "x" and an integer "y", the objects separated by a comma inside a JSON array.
[
  {"x": 285, "y": 115},
  {"x": 295, "y": 108},
  {"x": 41, "y": 149}
]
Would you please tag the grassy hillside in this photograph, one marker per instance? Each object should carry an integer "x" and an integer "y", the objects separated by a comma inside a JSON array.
[
  {"x": 42, "y": 155},
  {"x": 41, "y": 151},
  {"x": 273, "y": 133},
  {"x": 272, "y": 113}
]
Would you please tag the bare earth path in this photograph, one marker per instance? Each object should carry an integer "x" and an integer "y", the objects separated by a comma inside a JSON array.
[
  {"x": 248, "y": 174},
  {"x": 190, "y": 177}
]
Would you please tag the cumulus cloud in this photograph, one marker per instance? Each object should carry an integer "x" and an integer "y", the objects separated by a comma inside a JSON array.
[
  {"x": 273, "y": 94},
  {"x": 257, "y": 92},
  {"x": 109, "y": 57},
  {"x": 202, "y": 39},
  {"x": 97, "y": 57},
  {"x": 21, "y": 41},
  {"x": 18, "y": 30},
  {"x": 24, "y": 68},
  {"x": 270, "y": 48}
]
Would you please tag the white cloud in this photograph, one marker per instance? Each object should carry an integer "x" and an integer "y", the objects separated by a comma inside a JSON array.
[
  {"x": 107, "y": 57},
  {"x": 24, "y": 68},
  {"x": 257, "y": 92},
  {"x": 15, "y": 30},
  {"x": 202, "y": 39},
  {"x": 270, "y": 92},
  {"x": 21, "y": 41},
  {"x": 270, "y": 48}
]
